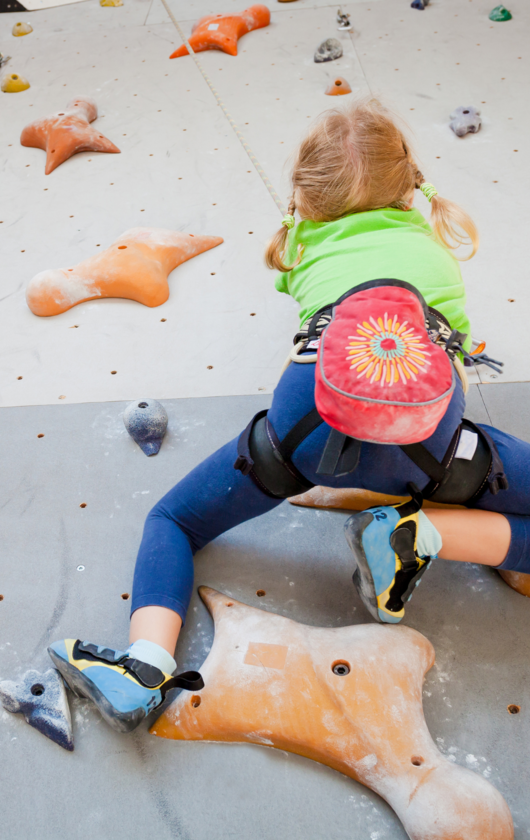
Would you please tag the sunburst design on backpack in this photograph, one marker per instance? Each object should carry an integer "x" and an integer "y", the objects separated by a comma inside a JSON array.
[{"x": 385, "y": 351}]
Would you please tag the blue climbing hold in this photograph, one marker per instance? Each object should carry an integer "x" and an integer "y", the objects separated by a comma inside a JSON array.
[
  {"x": 146, "y": 422},
  {"x": 42, "y": 699},
  {"x": 419, "y": 4}
]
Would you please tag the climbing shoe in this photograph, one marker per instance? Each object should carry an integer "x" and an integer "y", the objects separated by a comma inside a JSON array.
[
  {"x": 125, "y": 690},
  {"x": 388, "y": 567}
]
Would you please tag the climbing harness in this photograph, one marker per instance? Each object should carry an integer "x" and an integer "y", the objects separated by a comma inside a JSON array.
[
  {"x": 259, "y": 169},
  {"x": 470, "y": 466}
]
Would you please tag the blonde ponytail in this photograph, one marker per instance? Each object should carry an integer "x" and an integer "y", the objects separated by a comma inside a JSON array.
[
  {"x": 451, "y": 225},
  {"x": 277, "y": 246}
]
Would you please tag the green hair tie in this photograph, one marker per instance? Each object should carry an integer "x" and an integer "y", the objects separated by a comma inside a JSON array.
[
  {"x": 428, "y": 190},
  {"x": 288, "y": 221}
]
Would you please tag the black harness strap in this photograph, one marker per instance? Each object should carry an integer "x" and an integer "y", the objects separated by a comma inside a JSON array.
[
  {"x": 340, "y": 456},
  {"x": 427, "y": 463},
  {"x": 244, "y": 461},
  {"x": 298, "y": 433}
]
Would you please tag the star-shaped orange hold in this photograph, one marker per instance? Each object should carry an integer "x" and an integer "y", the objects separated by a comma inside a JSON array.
[
  {"x": 66, "y": 133},
  {"x": 136, "y": 267},
  {"x": 222, "y": 32}
]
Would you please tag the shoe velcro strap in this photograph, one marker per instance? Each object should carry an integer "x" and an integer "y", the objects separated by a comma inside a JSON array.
[
  {"x": 148, "y": 675},
  {"x": 88, "y": 650},
  {"x": 189, "y": 681}
]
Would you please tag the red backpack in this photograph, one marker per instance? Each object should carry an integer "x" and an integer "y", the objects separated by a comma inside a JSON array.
[{"x": 379, "y": 377}]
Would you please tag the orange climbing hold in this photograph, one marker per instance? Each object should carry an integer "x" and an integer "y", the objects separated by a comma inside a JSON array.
[
  {"x": 517, "y": 580},
  {"x": 136, "y": 267},
  {"x": 338, "y": 87},
  {"x": 66, "y": 133},
  {"x": 349, "y": 697},
  {"x": 222, "y": 32}
]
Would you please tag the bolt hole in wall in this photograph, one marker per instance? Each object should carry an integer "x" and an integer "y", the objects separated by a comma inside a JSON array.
[
  {"x": 513, "y": 709},
  {"x": 40, "y": 436},
  {"x": 125, "y": 596},
  {"x": 417, "y": 760},
  {"x": 82, "y": 505},
  {"x": 261, "y": 593},
  {"x": 341, "y": 668},
  {"x": 195, "y": 701},
  {"x": 37, "y": 690},
  {"x": 1, "y": 597}
]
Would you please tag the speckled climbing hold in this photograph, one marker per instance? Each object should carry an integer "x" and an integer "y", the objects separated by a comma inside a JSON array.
[
  {"x": 499, "y": 14},
  {"x": 222, "y": 32},
  {"x": 14, "y": 83},
  {"x": 338, "y": 87},
  {"x": 328, "y": 50},
  {"x": 146, "y": 422},
  {"x": 42, "y": 699},
  {"x": 465, "y": 120},
  {"x": 135, "y": 266},
  {"x": 20, "y": 29},
  {"x": 419, "y": 4},
  {"x": 348, "y": 697},
  {"x": 66, "y": 133}
]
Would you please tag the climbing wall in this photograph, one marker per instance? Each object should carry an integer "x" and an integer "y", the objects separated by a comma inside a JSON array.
[
  {"x": 226, "y": 331},
  {"x": 76, "y": 488}
]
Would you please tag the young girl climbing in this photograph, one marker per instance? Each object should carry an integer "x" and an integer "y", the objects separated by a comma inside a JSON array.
[{"x": 353, "y": 183}]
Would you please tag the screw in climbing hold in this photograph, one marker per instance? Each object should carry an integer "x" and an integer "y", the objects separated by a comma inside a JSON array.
[
  {"x": 499, "y": 14},
  {"x": 341, "y": 668},
  {"x": 14, "y": 83},
  {"x": 20, "y": 29},
  {"x": 146, "y": 421},
  {"x": 42, "y": 699},
  {"x": 328, "y": 51},
  {"x": 338, "y": 87},
  {"x": 465, "y": 120}
]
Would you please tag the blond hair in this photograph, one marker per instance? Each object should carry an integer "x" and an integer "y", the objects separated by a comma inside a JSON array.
[{"x": 357, "y": 160}]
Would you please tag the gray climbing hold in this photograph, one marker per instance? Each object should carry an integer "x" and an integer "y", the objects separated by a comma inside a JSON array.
[
  {"x": 328, "y": 50},
  {"x": 465, "y": 120},
  {"x": 419, "y": 4},
  {"x": 42, "y": 699},
  {"x": 146, "y": 422},
  {"x": 343, "y": 21}
]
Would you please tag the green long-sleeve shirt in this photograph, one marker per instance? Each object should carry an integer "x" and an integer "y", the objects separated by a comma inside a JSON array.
[{"x": 387, "y": 243}]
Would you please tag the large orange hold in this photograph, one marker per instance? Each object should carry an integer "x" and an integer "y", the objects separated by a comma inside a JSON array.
[
  {"x": 348, "y": 697},
  {"x": 66, "y": 133},
  {"x": 517, "y": 580},
  {"x": 135, "y": 267},
  {"x": 222, "y": 32},
  {"x": 353, "y": 498}
]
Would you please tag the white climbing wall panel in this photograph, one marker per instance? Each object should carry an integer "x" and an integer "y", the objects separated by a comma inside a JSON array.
[{"x": 182, "y": 166}]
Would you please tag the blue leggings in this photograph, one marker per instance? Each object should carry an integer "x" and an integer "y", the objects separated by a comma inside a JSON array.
[{"x": 214, "y": 497}]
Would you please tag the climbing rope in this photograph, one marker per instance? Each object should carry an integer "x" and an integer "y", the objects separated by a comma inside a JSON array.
[{"x": 259, "y": 169}]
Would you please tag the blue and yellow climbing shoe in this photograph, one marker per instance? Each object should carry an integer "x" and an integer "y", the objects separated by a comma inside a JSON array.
[
  {"x": 383, "y": 541},
  {"x": 125, "y": 690}
]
